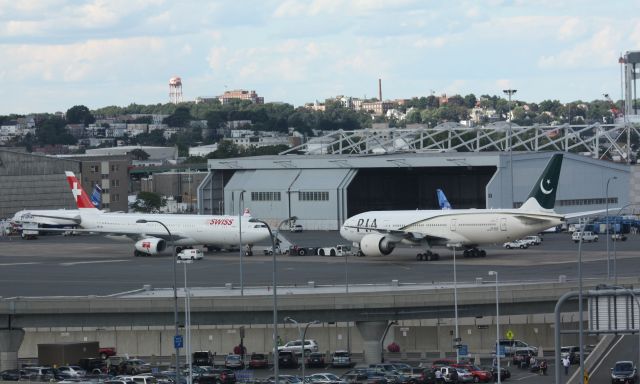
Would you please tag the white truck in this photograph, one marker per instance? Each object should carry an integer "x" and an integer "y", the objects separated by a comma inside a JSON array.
[
  {"x": 30, "y": 231},
  {"x": 338, "y": 250},
  {"x": 587, "y": 237}
]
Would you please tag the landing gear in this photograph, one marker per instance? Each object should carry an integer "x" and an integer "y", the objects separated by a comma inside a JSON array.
[
  {"x": 137, "y": 253},
  {"x": 474, "y": 252},
  {"x": 427, "y": 256}
]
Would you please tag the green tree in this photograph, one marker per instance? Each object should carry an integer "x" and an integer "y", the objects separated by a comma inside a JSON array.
[
  {"x": 226, "y": 149},
  {"x": 52, "y": 130},
  {"x": 139, "y": 154},
  {"x": 148, "y": 202},
  {"x": 470, "y": 100},
  {"x": 153, "y": 138},
  {"x": 179, "y": 118},
  {"x": 79, "y": 114}
]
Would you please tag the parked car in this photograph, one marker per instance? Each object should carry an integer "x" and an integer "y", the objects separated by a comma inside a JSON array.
[
  {"x": 190, "y": 254},
  {"x": 619, "y": 237},
  {"x": 144, "y": 379},
  {"x": 287, "y": 359},
  {"x": 587, "y": 237},
  {"x": 464, "y": 376},
  {"x": 505, "y": 373},
  {"x": 442, "y": 362},
  {"x": 532, "y": 240},
  {"x": 310, "y": 345},
  {"x": 233, "y": 361},
  {"x": 363, "y": 376},
  {"x": 315, "y": 359},
  {"x": 403, "y": 368},
  {"x": 286, "y": 379},
  {"x": 479, "y": 375},
  {"x": 325, "y": 378},
  {"x": 296, "y": 228},
  {"x": 624, "y": 372},
  {"x": 449, "y": 373},
  {"x": 510, "y": 346},
  {"x": 516, "y": 244},
  {"x": 572, "y": 352},
  {"x": 204, "y": 358},
  {"x": 258, "y": 360},
  {"x": 105, "y": 352},
  {"x": 71, "y": 371},
  {"x": 134, "y": 367},
  {"x": 93, "y": 365},
  {"x": 420, "y": 375},
  {"x": 217, "y": 376},
  {"x": 12, "y": 374},
  {"x": 522, "y": 356},
  {"x": 341, "y": 359}
]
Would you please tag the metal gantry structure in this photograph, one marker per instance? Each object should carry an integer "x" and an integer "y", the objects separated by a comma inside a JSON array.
[{"x": 597, "y": 140}]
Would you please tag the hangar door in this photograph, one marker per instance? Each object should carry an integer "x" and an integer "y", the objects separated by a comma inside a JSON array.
[{"x": 415, "y": 188}]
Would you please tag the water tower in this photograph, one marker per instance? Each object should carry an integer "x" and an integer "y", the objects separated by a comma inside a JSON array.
[{"x": 175, "y": 90}]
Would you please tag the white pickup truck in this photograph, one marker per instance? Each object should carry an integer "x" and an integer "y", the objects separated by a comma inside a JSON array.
[{"x": 587, "y": 237}]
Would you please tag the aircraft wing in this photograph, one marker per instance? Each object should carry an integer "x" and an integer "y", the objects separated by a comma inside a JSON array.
[
  {"x": 576, "y": 215},
  {"x": 135, "y": 236},
  {"x": 75, "y": 218},
  {"x": 531, "y": 219}
]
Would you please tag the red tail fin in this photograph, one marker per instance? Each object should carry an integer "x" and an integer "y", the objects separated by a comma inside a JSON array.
[{"x": 81, "y": 197}]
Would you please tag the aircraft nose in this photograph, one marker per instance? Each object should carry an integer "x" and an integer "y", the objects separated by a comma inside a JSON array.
[{"x": 344, "y": 232}]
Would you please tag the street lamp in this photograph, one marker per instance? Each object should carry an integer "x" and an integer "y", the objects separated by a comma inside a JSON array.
[
  {"x": 495, "y": 273},
  {"x": 455, "y": 300},
  {"x": 241, "y": 203},
  {"x": 635, "y": 298},
  {"x": 384, "y": 336},
  {"x": 187, "y": 318},
  {"x": 607, "y": 221},
  {"x": 302, "y": 335},
  {"x": 175, "y": 291},
  {"x": 276, "y": 374},
  {"x": 510, "y": 92},
  {"x": 580, "y": 310}
]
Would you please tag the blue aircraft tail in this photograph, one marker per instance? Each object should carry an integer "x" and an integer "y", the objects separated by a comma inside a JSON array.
[
  {"x": 442, "y": 199},
  {"x": 96, "y": 196}
]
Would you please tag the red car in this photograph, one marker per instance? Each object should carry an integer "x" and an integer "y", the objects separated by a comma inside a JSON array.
[
  {"x": 258, "y": 360},
  {"x": 479, "y": 375}
]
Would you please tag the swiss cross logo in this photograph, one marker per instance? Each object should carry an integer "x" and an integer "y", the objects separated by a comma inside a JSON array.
[
  {"x": 77, "y": 192},
  {"x": 146, "y": 244}
]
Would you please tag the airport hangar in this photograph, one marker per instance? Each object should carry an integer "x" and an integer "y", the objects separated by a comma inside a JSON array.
[{"x": 322, "y": 191}]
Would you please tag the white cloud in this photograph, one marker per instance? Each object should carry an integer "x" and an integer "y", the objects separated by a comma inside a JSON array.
[
  {"x": 572, "y": 28},
  {"x": 601, "y": 49}
]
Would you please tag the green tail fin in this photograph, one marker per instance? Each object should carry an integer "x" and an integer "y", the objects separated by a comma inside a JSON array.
[{"x": 544, "y": 191}]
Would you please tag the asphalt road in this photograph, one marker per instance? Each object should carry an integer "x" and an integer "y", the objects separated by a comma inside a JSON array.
[{"x": 94, "y": 265}]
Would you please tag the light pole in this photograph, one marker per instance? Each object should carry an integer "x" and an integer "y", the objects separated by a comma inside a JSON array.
[
  {"x": 510, "y": 92},
  {"x": 302, "y": 335},
  {"x": 346, "y": 287},
  {"x": 607, "y": 221},
  {"x": 175, "y": 291},
  {"x": 187, "y": 317},
  {"x": 580, "y": 310},
  {"x": 495, "y": 273},
  {"x": 635, "y": 298},
  {"x": 276, "y": 373},
  {"x": 241, "y": 203},
  {"x": 455, "y": 301}
]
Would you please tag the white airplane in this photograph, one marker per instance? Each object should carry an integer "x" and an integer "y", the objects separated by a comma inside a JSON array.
[
  {"x": 378, "y": 232},
  {"x": 151, "y": 237},
  {"x": 53, "y": 218}
]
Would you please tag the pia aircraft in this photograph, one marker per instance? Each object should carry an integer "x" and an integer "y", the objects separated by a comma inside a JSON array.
[
  {"x": 378, "y": 232},
  {"x": 152, "y": 238}
]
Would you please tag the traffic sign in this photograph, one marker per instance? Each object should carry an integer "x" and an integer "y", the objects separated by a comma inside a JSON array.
[
  {"x": 510, "y": 334},
  {"x": 501, "y": 352},
  {"x": 177, "y": 341},
  {"x": 463, "y": 350}
]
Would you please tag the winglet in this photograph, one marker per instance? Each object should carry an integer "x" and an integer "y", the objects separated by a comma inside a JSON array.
[
  {"x": 543, "y": 194},
  {"x": 80, "y": 196}
]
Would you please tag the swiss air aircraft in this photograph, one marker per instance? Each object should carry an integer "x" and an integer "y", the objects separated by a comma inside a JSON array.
[
  {"x": 151, "y": 238},
  {"x": 378, "y": 232}
]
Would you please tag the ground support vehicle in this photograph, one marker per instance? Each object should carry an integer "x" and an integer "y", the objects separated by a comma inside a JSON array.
[
  {"x": 296, "y": 250},
  {"x": 338, "y": 250},
  {"x": 587, "y": 237},
  {"x": 30, "y": 231},
  {"x": 516, "y": 244}
]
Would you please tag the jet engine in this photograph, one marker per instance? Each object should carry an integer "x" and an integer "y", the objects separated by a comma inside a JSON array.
[
  {"x": 150, "y": 246},
  {"x": 376, "y": 244}
]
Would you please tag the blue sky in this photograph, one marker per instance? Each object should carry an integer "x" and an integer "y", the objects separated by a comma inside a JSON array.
[{"x": 61, "y": 53}]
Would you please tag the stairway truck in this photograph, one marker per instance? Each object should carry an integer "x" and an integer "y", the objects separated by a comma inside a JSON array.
[{"x": 338, "y": 250}]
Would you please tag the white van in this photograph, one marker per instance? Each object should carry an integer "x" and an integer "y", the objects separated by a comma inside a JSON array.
[
  {"x": 144, "y": 379},
  {"x": 190, "y": 254}
]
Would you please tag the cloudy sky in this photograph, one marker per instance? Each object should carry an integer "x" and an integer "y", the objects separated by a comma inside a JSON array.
[{"x": 61, "y": 53}]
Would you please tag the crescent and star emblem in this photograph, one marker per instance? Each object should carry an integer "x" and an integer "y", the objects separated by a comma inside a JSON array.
[{"x": 545, "y": 191}]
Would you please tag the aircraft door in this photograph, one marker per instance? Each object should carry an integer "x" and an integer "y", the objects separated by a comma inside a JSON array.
[
  {"x": 503, "y": 224},
  {"x": 453, "y": 225}
]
